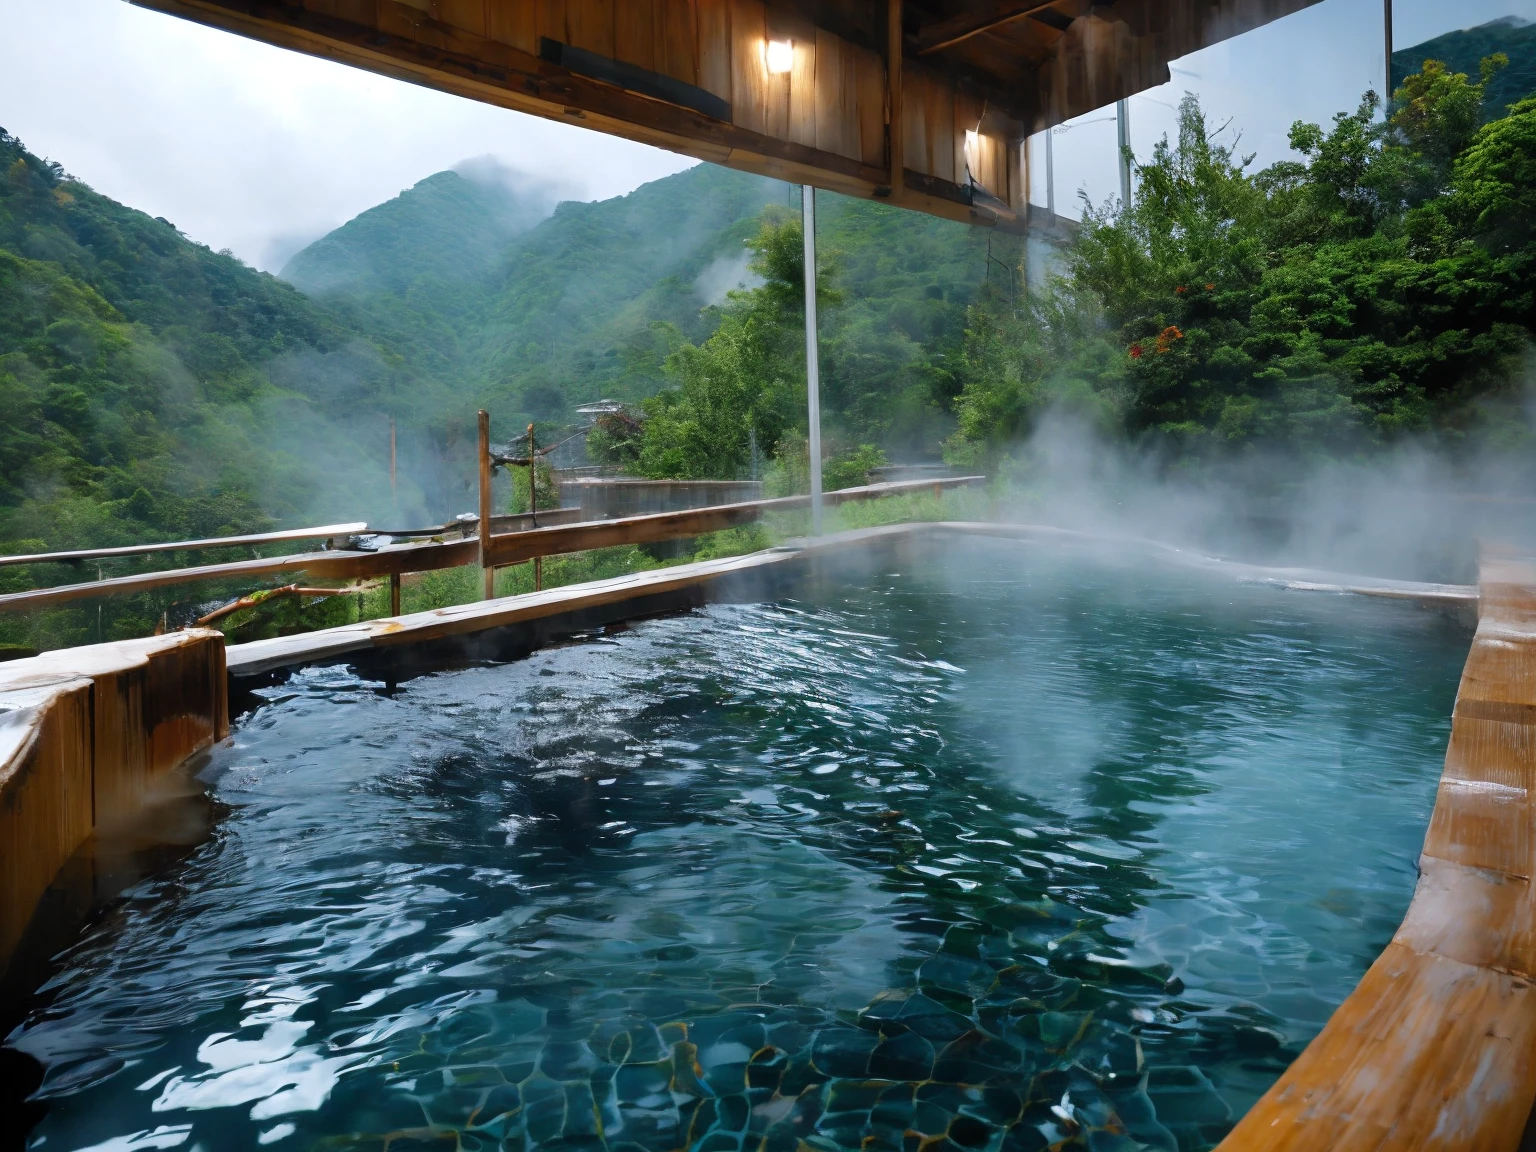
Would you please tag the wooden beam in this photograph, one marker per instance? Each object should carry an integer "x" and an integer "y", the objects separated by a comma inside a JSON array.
[
  {"x": 959, "y": 29},
  {"x": 410, "y": 45},
  {"x": 896, "y": 148},
  {"x": 324, "y": 532}
]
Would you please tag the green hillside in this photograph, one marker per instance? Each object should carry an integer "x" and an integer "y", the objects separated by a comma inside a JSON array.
[
  {"x": 590, "y": 302},
  {"x": 1461, "y": 51},
  {"x": 154, "y": 389}
]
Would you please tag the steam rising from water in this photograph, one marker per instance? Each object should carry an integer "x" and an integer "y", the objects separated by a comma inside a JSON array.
[{"x": 1415, "y": 512}]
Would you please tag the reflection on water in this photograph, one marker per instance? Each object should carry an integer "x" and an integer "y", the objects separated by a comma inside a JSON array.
[{"x": 1006, "y": 851}]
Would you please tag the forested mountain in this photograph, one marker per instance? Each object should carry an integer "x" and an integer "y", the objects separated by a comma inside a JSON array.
[
  {"x": 591, "y": 301},
  {"x": 1465, "y": 49},
  {"x": 154, "y": 388},
  {"x": 1377, "y": 286}
]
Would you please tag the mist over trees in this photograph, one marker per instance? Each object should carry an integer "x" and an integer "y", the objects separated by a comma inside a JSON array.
[{"x": 1379, "y": 287}]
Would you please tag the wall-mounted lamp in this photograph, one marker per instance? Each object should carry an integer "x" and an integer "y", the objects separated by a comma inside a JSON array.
[
  {"x": 779, "y": 56},
  {"x": 971, "y": 136}
]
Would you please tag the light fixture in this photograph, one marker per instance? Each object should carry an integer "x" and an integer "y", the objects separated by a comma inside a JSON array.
[
  {"x": 971, "y": 137},
  {"x": 779, "y": 56}
]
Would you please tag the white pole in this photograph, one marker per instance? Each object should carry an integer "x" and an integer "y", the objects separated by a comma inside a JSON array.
[
  {"x": 1050, "y": 175},
  {"x": 1123, "y": 125},
  {"x": 812, "y": 367}
]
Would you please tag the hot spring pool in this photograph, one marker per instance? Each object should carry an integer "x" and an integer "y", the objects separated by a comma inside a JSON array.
[{"x": 1004, "y": 848}]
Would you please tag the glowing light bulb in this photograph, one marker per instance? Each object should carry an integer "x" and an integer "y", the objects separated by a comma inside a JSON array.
[{"x": 779, "y": 56}]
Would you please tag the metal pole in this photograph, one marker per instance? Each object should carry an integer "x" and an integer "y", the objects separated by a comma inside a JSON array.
[
  {"x": 812, "y": 367},
  {"x": 1123, "y": 127},
  {"x": 1050, "y": 174},
  {"x": 1387, "y": 14},
  {"x": 488, "y": 588}
]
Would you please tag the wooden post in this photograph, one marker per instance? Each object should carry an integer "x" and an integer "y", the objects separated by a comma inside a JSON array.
[
  {"x": 394, "y": 593},
  {"x": 489, "y": 588},
  {"x": 533, "y": 508},
  {"x": 896, "y": 145},
  {"x": 394, "y": 498}
]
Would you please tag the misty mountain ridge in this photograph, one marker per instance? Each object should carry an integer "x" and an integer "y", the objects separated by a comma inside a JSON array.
[
  {"x": 1464, "y": 50},
  {"x": 533, "y": 304},
  {"x": 452, "y": 226}
]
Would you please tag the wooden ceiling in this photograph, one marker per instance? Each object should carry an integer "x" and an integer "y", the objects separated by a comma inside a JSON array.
[{"x": 969, "y": 79}]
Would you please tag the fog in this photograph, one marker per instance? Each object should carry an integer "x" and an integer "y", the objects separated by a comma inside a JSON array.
[{"x": 1418, "y": 510}]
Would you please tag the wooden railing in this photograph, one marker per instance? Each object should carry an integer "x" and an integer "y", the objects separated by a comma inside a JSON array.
[{"x": 497, "y": 550}]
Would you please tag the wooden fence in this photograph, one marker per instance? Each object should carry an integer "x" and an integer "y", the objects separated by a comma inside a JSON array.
[{"x": 492, "y": 549}]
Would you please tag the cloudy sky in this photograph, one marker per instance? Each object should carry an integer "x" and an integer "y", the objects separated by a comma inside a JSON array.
[{"x": 258, "y": 150}]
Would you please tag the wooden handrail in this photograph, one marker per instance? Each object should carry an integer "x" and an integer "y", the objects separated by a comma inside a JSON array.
[
  {"x": 506, "y": 550},
  {"x": 324, "y": 532},
  {"x": 325, "y": 565},
  {"x": 502, "y": 549}
]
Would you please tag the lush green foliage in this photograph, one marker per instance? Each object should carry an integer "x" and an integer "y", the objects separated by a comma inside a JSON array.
[
  {"x": 1379, "y": 286},
  {"x": 150, "y": 385}
]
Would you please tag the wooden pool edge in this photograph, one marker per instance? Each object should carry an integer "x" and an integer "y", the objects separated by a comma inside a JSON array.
[
  {"x": 1436, "y": 1047},
  {"x": 85, "y": 733}
]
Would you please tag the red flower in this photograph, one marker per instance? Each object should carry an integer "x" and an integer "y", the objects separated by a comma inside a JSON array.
[
  {"x": 1181, "y": 289},
  {"x": 1136, "y": 352},
  {"x": 1166, "y": 337},
  {"x": 1210, "y": 287}
]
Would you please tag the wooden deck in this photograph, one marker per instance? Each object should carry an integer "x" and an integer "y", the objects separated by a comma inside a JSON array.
[{"x": 1436, "y": 1049}]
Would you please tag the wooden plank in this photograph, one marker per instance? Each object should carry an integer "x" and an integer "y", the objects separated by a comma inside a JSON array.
[
  {"x": 869, "y": 88},
  {"x": 324, "y": 532},
  {"x": 801, "y": 97},
  {"x": 634, "y": 32},
  {"x": 469, "y": 15},
  {"x": 750, "y": 82},
  {"x": 836, "y": 119},
  {"x": 590, "y": 25},
  {"x": 514, "y": 22},
  {"x": 550, "y": 20},
  {"x": 84, "y": 732},
  {"x": 324, "y": 565},
  {"x": 1427, "y": 1054},
  {"x": 716, "y": 61},
  {"x": 676, "y": 40}
]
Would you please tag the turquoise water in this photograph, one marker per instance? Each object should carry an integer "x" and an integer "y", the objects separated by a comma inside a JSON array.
[{"x": 1001, "y": 849}]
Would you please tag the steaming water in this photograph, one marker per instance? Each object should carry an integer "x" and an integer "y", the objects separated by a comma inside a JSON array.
[{"x": 1014, "y": 847}]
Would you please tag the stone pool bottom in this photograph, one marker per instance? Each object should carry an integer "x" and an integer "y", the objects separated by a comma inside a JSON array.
[{"x": 1000, "y": 848}]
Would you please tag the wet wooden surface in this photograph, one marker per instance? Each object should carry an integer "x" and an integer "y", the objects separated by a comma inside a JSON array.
[
  {"x": 1436, "y": 1049},
  {"x": 84, "y": 732}
]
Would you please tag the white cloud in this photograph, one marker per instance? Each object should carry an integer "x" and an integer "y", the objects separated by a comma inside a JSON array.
[{"x": 253, "y": 148}]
